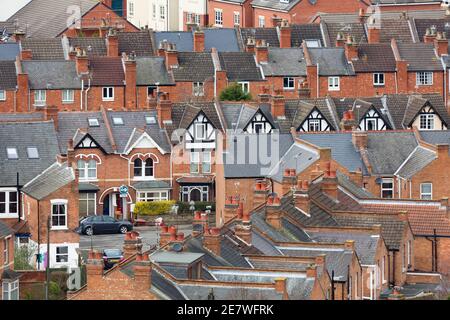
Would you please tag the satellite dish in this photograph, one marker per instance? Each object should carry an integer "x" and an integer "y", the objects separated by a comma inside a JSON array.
[{"x": 177, "y": 247}]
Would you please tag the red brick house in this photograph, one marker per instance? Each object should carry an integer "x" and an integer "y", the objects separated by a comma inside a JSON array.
[
  {"x": 230, "y": 13},
  {"x": 9, "y": 280}
]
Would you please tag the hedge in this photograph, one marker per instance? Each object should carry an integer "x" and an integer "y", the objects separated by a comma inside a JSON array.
[{"x": 153, "y": 208}]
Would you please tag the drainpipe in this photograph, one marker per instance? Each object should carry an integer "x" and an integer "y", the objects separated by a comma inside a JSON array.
[
  {"x": 393, "y": 268},
  {"x": 19, "y": 202},
  {"x": 332, "y": 285},
  {"x": 81, "y": 95},
  {"x": 15, "y": 100},
  {"x": 39, "y": 232},
  {"x": 86, "y": 94},
  {"x": 318, "y": 81}
]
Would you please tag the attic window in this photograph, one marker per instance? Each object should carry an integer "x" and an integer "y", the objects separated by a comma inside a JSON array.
[
  {"x": 150, "y": 120},
  {"x": 32, "y": 153},
  {"x": 93, "y": 122},
  {"x": 12, "y": 153},
  {"x": 117, "y": 121}
]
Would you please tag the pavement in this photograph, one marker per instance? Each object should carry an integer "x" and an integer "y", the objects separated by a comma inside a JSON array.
[{"x": 115, "y": 241}]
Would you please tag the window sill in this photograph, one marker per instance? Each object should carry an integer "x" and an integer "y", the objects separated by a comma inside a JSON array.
[
  {"x": 68, "y": 102},
  {"x": 88, "y": 180},
  {"x": 289, "y": 89},
  {"x": 378, "y": 85},
  {"x": 58, "y": 228},
  {"x": 143, "y": 178},
  {"x": 107, "y": 99},
  {"x": 329, "y": 89}
]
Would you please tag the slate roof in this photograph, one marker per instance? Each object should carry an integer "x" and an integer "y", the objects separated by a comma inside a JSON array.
[
  {"x": 397, "y": 29},
  {"x": 138, "y": 42},
  {"x": 418, "y": 160},
  {"x": 436, "y": 136},
  {"x": 156, "y": 184},
  {"x": 440, "y": 25},
  {"x": 52, "y": 74},
  {"x": 8, "y": 76},
  {"x": 50, "y": 180},
  {"x": 5, "y": 230},
  {"x": 151, "y": 70},
  {"x": 44, "y": 48},
  {"x": 240, "y": 66},
  {"x": 30, "y": 17},
  {"x": 93, "y": 46},
  {"x": 107, "y": 71},
  {"x": 332, "y": 61},
  {"x": 285, "y": 62},
  {"x": 420, "y": 56},
  {"x": 9, "y": 51},
  {"x": 356, "y": 30},
  {"x": 194, "y": 66},
  {"x": 307, "y": 31},
  {"x": 375, "y": 58},
  {"x": 268, "y": 34},
  {"x": 22, "y": 135},
  {"x": 275, "y": 4}
]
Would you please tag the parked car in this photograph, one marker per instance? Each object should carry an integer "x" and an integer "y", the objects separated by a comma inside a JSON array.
[
  {"x": 111, "y": 257},
  {"x": 104, "y": 224}
]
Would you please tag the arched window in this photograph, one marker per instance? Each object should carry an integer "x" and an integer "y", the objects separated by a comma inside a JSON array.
[
  {"x": 138, "y": 167},
  {"x": 87, "y": 169},
  {"x": 143, "y": 169},
  {"x": 149, "y": 167}
]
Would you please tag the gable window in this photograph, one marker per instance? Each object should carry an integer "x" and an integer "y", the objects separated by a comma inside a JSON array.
[
  {"x": 288, "y": 83},
  {"x": 378, "y": 79},
  {"x": 12, "y": 153},
  {"x": 427, "y": 121},
  {"x": 62, "y": 254},
  {"x": 198, "y": 89},
  {"x": 108, "y": 94},
  {"x": 333, "y": 84},
  {"x": 206, "y": 163},
  {"x": 143, "y": 169},
  {"x": 237, "y": 18},
  {"x": 6, "y": 243},
  {"x": 200, "y": 131},
  {"x": 87, "y": 169},
  {"x": 245, "y": 86},
  {"x": 2, "y": 95},
  {"x": 371, "y": 124},
  {"x": 195, "y": 162},
  {"x": 88, "y": 204},
  {"x": 387, "y": 188},
  {"x": 424, "y": 78},
  {"x": 40, "y": 97},
  {"x": 10, "y": 290},
  {"x": 258, "y": 127},
  {"x": 67, "y": 96},
  {"x": 162, "y": 12},
  {"x": 59, "y": 214},
  {"x": 261, "y": 21},
  {"x": 8, "y": 201},
  {"x": 426, "y": 191},
  {"x": 218, "y": 17},
  {"x": 314, "y": 125}
]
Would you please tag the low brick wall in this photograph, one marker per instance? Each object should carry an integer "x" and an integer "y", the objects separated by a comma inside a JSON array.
[
  {"x": 177, "y": 219},
  {"x": 423, "y": 278}
]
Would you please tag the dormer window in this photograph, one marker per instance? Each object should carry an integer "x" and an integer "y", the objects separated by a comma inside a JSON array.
[
  {"x": 117, "y": 121},
  {"x": 32, "y": 153},
  {"x": 93, "y": 122},
  {"x": 427, "y": 121},
  {"x": 12, "y": 153}
]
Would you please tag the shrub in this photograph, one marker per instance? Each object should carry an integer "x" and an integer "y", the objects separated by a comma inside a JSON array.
[
  {"x": 23, "y": 256},
  {"x": 184, "y": 207},
  {"x": 153, "y": 208},
  {"x": 234, "y": 92}
]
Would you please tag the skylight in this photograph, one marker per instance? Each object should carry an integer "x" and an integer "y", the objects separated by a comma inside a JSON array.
[
  {"x": 32, "y": 153},
  {"x": 117, "y": 121},
  {"x": 150, "y": 120},
  {"x": 93, "y": 122},
  {"x": 12, "y": 153}
]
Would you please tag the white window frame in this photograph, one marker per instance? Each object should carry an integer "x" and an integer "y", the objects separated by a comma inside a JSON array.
[
  {"x": 130, "y": 9},
  {"x": 149, "y": 195},
  {"x": 290, "y": 80},
  {"x": 59, "y": 202},
  {"x": 198, "y": 89},
  {"x": 8, "y": 213},
  {"x": 377, "y": 77},
  {"x": 84, "y": 169},
  {"x": 387, "y": 180},
  {"x": 68, "y": 96},
  {"x": 206, "y": 159},
  {"x": 334, "y": 83},
  {"x": 61, "y": 254},
  {"x": 313, "y": 43},
  {"x": 12, "y": 151},
  {"x": 108, "y": 94},
  {"x": 162, "y": 13},
  {"x": 245, "y": 85},
  {"x": 203, "y": 130},
  {"x": 195, "y": 162},
  {"x": 6, "y": 243},
  {"x": 40, "y": 97},
  {"x": 261, "y": 21},
  {"x": 237, "y": 18},
  {"x": 218, "y": 17},
  {"x": 30, "y": 150},
  {"x": 424, "y": 78},
  {"x": 315, "y": 123},
  {"x": 8, "y": 287},
  {"x": 143, "y": 175},
  {"x": 426, "y": 121},
  {"x": 2, "y": 95},
  {"x": 426, "y": 195},
  {"x": 87, "y": 200}
]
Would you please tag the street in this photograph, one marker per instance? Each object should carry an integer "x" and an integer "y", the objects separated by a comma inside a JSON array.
[{"x": 115, "y": 241}]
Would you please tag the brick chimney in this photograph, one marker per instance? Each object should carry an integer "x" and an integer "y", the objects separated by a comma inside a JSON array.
[
  {"x": 301, "y": 196},
  {"x": 373, "y": 32},
  {"x": 70, "y": 154},
  {"x": 285, "y": 34},
  {"x": 26, "y": 54},
  {"x": 340, "y": 40},
  {"x": 430, "y": 35},
  {"x": 142, "y": 272},
  {"x": 442, "y": 151},
  {"x": 351, "y": 49},
  {"x": 273, "y": 212},
  {"x": 264, "y": 96},
  {"x": 51, "y": 113},
  {"x": 311, "y": 271},
  {"x": 199, "y": 41},
  {"x": 23, "y": 88},
  {"x": 250, "y": 45},
  {"x": 129, "y": 62},
  {"x": 278, "y": 105},
  {"x": 112, "y": 43},
  {"x": 350, "y": 245},
  {"x": 243, "y": 229},
  {"x": 329, "y": 184},
  {"x": 164, "y": 109},
  {"x": 81, "y": 62},
  {"x": 18, "y": 35},
  {"x": 289, "y": 180},
  {"x": 232, "y": 204},
  {"x": 171, "y": 55},
  {"x": 132, "y": 244},
  {"x": 94, "y": 268},
  {"x": 276, "y": 21},
  {"x": 348, "y": 121},
  {"x": 262, "y": 51},
  {"x": 260, "y": 193},
  {"x": 211, "y": 240},
  {"x": 199, "y": 223},
  {"x": 359, "y": 139},
  {"x": 280, "y": 287},
  {"x": 164, "y": 235},
  {"x": 441, "y": 44}
]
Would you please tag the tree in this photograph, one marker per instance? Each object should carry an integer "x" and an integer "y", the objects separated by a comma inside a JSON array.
[
  {"x": 234, "y": 92},
  {"x": 23, "y": 257}
]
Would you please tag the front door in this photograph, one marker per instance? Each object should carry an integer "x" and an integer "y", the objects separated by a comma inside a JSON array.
[
  {"x": 196, "y": 195},
  {"x": 106, "y": 203}
]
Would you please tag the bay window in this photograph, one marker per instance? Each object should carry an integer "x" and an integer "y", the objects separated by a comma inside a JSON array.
[
  {"x": 10, "y": 290},
  {"x": 87, "y": 204},
  {"x": 149, "y": 196}
]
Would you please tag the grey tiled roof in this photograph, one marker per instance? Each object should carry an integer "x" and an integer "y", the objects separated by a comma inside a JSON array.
[
  {"x": 240, "y": 66},
  {"x": 397, "y": 29},
  {"x": 156, "y": 184},
  {"x": 44, "y": 48},
  {"x": 356, "y": 30},
  {"x": 50, "y": 180},
  {"x": 436, "y": 136},
  {"x": 8, "y": 76},
  {"x": 183, "y": 40},
  {"x": 440, "y": 25},
  {"x": 275, "y": 4},
  {"x": 194, "y": 66},
  {"x": 151, "y": 70},
  {"x": 420, "y": 56},
  {"x": 9, "y": 51},
  {"x": 201, "y": 292},
  {"x": 332, "y": 61},
  {"x": 5, "y": 230},
  {"x": 165, "y": 286},
  {"x": 268, "y": 34},
  {"x": 418, "y": 160},
  {"x": 93, "y": 46},
  {"x": 285, "y": 62},
  {"x": 307, "y": 31},
  {"x": 23, "y": 135},
  {"x": 375, "y": 58},
  {"x": 138, "y": 42},
  {"x": 52, "y": 74}
]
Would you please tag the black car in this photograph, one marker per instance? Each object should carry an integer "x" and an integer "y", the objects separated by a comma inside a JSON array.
[
  {"x": 104, "y": 224},
  {"x": 111, "y": 257}
]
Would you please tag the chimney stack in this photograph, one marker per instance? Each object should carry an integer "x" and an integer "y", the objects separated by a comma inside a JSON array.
[
  {"x": 373, "y": 32},
  {"x": 112, "y": 43},
  {"x": 430, "y": 35},
  {"x": 340, "y": 40},
  {"x": 260, "y": 193},
  {"x": 132, "y": 244},
  {"x": 231, "y": 206},
  {"x": 359, "y": 139},
  {"x": 301, "y": 196},
  {"x": 129, "y": 62},
  {"x": 250, "y": 45},
  {"x": 18, "y": 35},
  {"x": 70, "y": 154},
  {"x": 81, "y": 62},
  {"x": 243, "y": 229},
  {"x": 273, "y": 211},
  {"x": 351, "y": 49},
  {"x": 276, "y": 21},
  {"x": 262, "y": 51},
  {"x": 199, "y": 41},
  {"x": 199, "y": 223},
  {"x": 280, "y": 287},
  {"x": 264, "y": 96},
  {"x": 278, "y": 105},
  {"x": 211, "y": 240},
  {"x": 142, "y": 272},
  {"x": 285, "y": 34},
  {"x": 348, "y": 121},
  {"x": 51, "y": 113},
  {"x": 23, "y": 88},
  {"x": 289, "y": 180},
  {"x": 329, "y": 184},
  {"x": 26, "y": 54},
  {"x": 164, "y": 109},
  {"x": 171, "y": 55},
  {"x": 441, "y": 44},
  {"x": 94, "y": 268}
]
